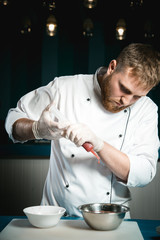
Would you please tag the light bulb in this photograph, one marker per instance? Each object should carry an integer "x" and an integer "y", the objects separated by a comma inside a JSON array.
[
  {"x": 26, "y": 26},
  {"x": 121, "y": 29},
  {"x": 4, "y": 2},
  {"x": 149, "y": 30},
  {"x": 88, "y": 28},
  {"x": 90, "y": 3},
  {"x": 136, "y": 3},
  {"x": 50, "y": 4},
  {"x": 51, "y": 26}
]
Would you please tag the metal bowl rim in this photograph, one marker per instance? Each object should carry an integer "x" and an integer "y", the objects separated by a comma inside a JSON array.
[{"x": 126, "y": 209}]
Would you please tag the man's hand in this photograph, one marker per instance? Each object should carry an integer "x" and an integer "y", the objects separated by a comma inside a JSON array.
[
  {"x": 46, "y": 128},
  {"x": 80, "y": 133}
]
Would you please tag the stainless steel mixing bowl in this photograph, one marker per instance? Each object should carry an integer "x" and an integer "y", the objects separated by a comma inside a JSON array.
[{"x": 103, "y": 216}]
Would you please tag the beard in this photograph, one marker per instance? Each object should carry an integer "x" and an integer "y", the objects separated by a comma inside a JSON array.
[
  {"x": 109, "y": 102},
  {"x": 111, "y": 106}
]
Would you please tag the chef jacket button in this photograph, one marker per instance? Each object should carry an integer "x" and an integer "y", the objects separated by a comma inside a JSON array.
[
  {"x": 72, "y": 155},
  {"x": 125, "y": 110},
  {"x": 65, "y": 214},
  {"x": 120, "y": 135},
  {"x": 88, "y": 99},
  {"x": 107, "y": 193}
]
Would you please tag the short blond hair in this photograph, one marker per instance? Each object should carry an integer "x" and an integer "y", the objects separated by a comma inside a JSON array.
[{"x": 143, "y": 61}]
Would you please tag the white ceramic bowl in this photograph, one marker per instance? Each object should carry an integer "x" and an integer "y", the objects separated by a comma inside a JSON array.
[{"x": 44, "y": 216}]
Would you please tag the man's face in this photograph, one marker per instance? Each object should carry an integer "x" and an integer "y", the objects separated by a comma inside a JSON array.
[{"x": 120, "y": 90}]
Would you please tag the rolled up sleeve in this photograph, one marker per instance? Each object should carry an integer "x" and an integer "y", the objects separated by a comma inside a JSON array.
[
  {"x": 13, "y": 115},
  {"x": 30, "y": 106},
  {"x": 144, "y": 153},
  {"x": 142, "y": 171}
]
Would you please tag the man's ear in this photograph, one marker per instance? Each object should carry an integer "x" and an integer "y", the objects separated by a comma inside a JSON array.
[{"x": 112, "y": 66}]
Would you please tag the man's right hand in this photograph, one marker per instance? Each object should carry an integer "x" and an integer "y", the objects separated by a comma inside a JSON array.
[{"x": 46, "y": 128}]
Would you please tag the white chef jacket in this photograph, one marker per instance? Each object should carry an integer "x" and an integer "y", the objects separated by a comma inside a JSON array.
[{"x": 74, "y": 176}]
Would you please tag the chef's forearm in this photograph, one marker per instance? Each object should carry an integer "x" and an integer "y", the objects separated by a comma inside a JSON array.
[
  {"x": 22, "y": 130},
  {"x": 117, "y": 161}
]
